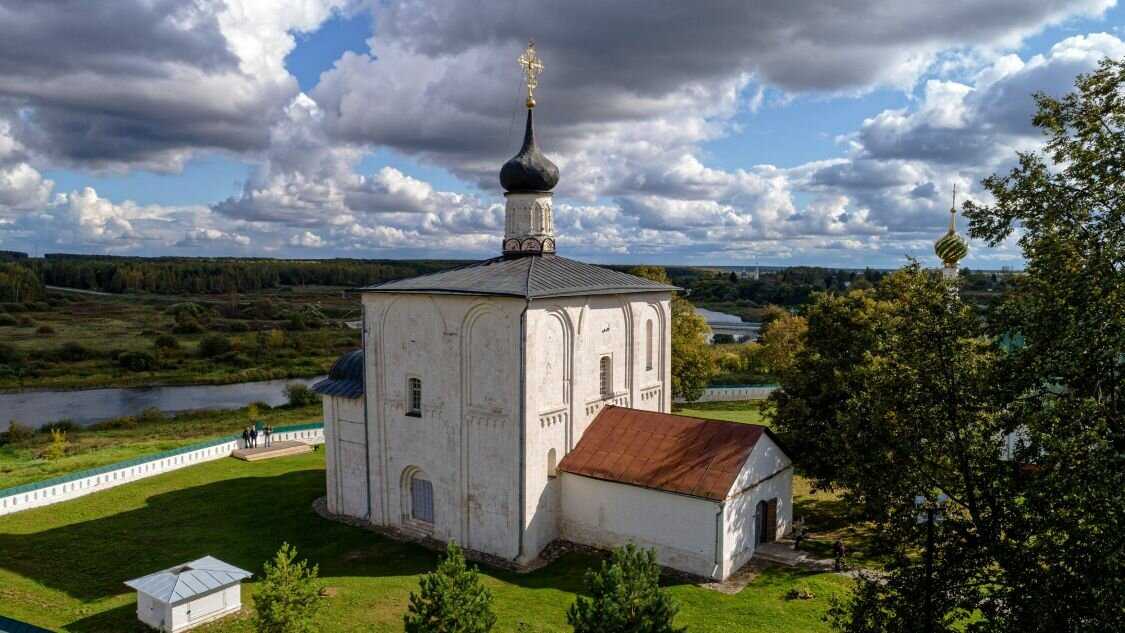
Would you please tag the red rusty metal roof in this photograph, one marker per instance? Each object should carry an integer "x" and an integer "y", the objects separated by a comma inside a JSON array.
[{"x": 676, "y": 453}]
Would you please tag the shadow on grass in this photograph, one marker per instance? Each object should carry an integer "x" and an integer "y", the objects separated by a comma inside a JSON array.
[
  {"x": 242, "y": 521},
  {"x": 121, "y": 619},
  {"x": 828, "y": 518}
]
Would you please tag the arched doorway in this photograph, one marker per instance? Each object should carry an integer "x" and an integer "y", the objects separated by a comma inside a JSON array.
[
  {"x": 417, "y": 499},
  {"x": 765, "y": 521}
]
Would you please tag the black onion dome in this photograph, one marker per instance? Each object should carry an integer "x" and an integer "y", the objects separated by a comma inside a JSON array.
[
  {"x": 345, "y": 379},
  {"x": 529, "y": 170}
]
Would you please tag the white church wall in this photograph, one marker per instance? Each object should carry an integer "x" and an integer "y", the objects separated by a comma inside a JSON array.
[
  {"x": 345, "y": 456},
  {"x": 682, "y": 530},
  {"x": 466, "y": 353},
  {"x": 566, "y": 339},
  {"x": 767, "y": 474}
]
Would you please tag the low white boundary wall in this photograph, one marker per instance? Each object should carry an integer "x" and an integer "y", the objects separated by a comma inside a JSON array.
[
  {"x": 734, "y": 392},
  {"x": 58, "y": 489}
]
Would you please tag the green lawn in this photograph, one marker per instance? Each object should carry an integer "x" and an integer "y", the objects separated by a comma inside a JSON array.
[
  {"x": 62, "y": 566},
  {"x": 747, "y": 412},
  {"x": 115, "y": 441}
]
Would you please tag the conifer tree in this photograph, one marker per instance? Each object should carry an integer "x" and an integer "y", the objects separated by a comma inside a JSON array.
[
  {"x": 450, "y": 599},
  {"x": 289, "y": 595},
  {"x": 625, "y": 597}
]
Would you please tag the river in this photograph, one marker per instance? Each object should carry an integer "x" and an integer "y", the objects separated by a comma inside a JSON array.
[{"x": 87, "y": 406}]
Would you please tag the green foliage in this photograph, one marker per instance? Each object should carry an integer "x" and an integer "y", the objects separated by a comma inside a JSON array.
[
  {"x": 287, "y": 599},
  {"x": 451, "y": 599},
  {"x": 72, "y": 352},
  {"x": 137, "y": 361},
  {"x": 300, "y": 395},
  {"x": 214, "y": 345},
  {"x": 625, "y": 597},
  {"x": 166, "y": 342},
  {"x": 692, "y": 368},
  {"x": 7, "y": 320},
  {"x": 45, "y": 330},
  {"x": 57, "y": 448},
  {"x": 18, "y": 433},
  {"x": 19, "y": 284},
  {"x": 781, "y": 341}
]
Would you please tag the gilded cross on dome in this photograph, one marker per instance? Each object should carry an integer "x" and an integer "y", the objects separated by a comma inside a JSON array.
[{"x": 532, "y": 66}]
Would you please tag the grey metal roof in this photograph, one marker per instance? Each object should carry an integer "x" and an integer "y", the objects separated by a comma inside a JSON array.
[
  {"x": 530, "y": 277},
  {"x": 345, "y": 379},
  {"x": 186, "y": 581}
]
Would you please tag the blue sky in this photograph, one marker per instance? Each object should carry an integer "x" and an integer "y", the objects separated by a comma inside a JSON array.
[{"x": 342, "y": 128}]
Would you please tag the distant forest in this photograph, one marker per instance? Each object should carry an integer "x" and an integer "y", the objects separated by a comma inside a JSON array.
[
  {"x": 175, "y": 276},
  {"x": 23, "y": 279}
]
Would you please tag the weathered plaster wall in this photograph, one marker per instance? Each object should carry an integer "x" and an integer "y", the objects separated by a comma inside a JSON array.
[
  {"x": 767, "y": 474},
  {"x": 681, "y": 529},
  {"x": 566, "y": 338},
  {"x": 345, "y": 456},
  {"x": 467, "y": 352}
]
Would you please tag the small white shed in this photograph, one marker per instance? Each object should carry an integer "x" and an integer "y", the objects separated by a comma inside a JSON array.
[{"x": 188, "y": 595}]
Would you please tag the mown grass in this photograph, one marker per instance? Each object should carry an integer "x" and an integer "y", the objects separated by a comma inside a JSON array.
[
  {"x": 747, "y": 412},
  {"x": 63, "y": 565},
  {"x": 126, "y": 438}
]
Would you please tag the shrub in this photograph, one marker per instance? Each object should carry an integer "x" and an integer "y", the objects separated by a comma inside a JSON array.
[
  {"x": 72, "y": 352},
  {"x": 18, "y": 433},
  {"x": 26, "y": 322},
  {"x": 57, "y": 447},
  {"x": 235, "y": 359},
  {"x": 237, "y": 326},
  {"x": 8, "y": 320},
  {"x": 188, "y": 325},
  {"x": 166, "y": 342},
  {"x": 261, "y": 406},
  {"x": 45, "y": 330},
  {"x": 450, "y": 599},
  {"x": 300, "y": 395},
  {"x": 288, "y": 596},
  {"x": 12, "y": 307},
  {"x": 137, "y": 361},
  {"x": 65, "y": 425},
  {"x": 38, "y": 306},
  {"x": 296, "y": 323},
  {"x": 624, "y": 596},
  {"x": 9, "y": 354},
  {"x": 214, "y": 345}
]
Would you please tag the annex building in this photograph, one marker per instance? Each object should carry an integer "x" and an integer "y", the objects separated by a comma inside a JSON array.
[{"x": 525, "y": 398}]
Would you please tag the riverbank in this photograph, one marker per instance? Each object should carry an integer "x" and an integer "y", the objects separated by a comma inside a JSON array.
[{"x": 28, "y": 459}]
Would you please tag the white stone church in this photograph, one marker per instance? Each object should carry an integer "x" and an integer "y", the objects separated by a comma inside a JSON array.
[{"x": 523, "y": 399}]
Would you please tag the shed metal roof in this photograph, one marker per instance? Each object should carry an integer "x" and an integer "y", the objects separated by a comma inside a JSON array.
[
  {"x": 530, "y": 277},
  {"x": 674, "y": 453},
  {"x": 186, "y": 581}
]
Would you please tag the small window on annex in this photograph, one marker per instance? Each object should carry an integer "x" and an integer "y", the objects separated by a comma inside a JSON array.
[
  {"x": 605, "y": 376},
  {"x": 552, "y": 465},
  {"x": 414, "y": 397}
]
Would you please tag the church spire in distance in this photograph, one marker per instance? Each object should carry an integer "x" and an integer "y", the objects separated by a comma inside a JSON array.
[
  {"x": 951, "y": 247},
  {"x": 527, "y": 179}
]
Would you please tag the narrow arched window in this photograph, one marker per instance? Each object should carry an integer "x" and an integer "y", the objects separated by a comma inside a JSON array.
[
  {"x": 414, "y": 397},
  {"x": 648, "y": 345},
  {"x": 605, "y": 376},
  {"x": 552, "y": 465}
]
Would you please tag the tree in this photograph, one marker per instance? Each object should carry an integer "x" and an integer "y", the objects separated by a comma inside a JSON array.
[
  {"x": 906, "y": 390},
  {"x": 625, "y": 597},
  {"x": 692, "y": 368},
  {"x": 450, "y": 599},
  {"x": 214, "y": 345},
  {"x": 289, "y": 595},
  {"x": 781, "y": 341},
  {"x": 1065, "y": 385}
]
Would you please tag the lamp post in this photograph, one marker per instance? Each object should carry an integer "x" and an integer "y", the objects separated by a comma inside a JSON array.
[{"x": 929, "y": 513}]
